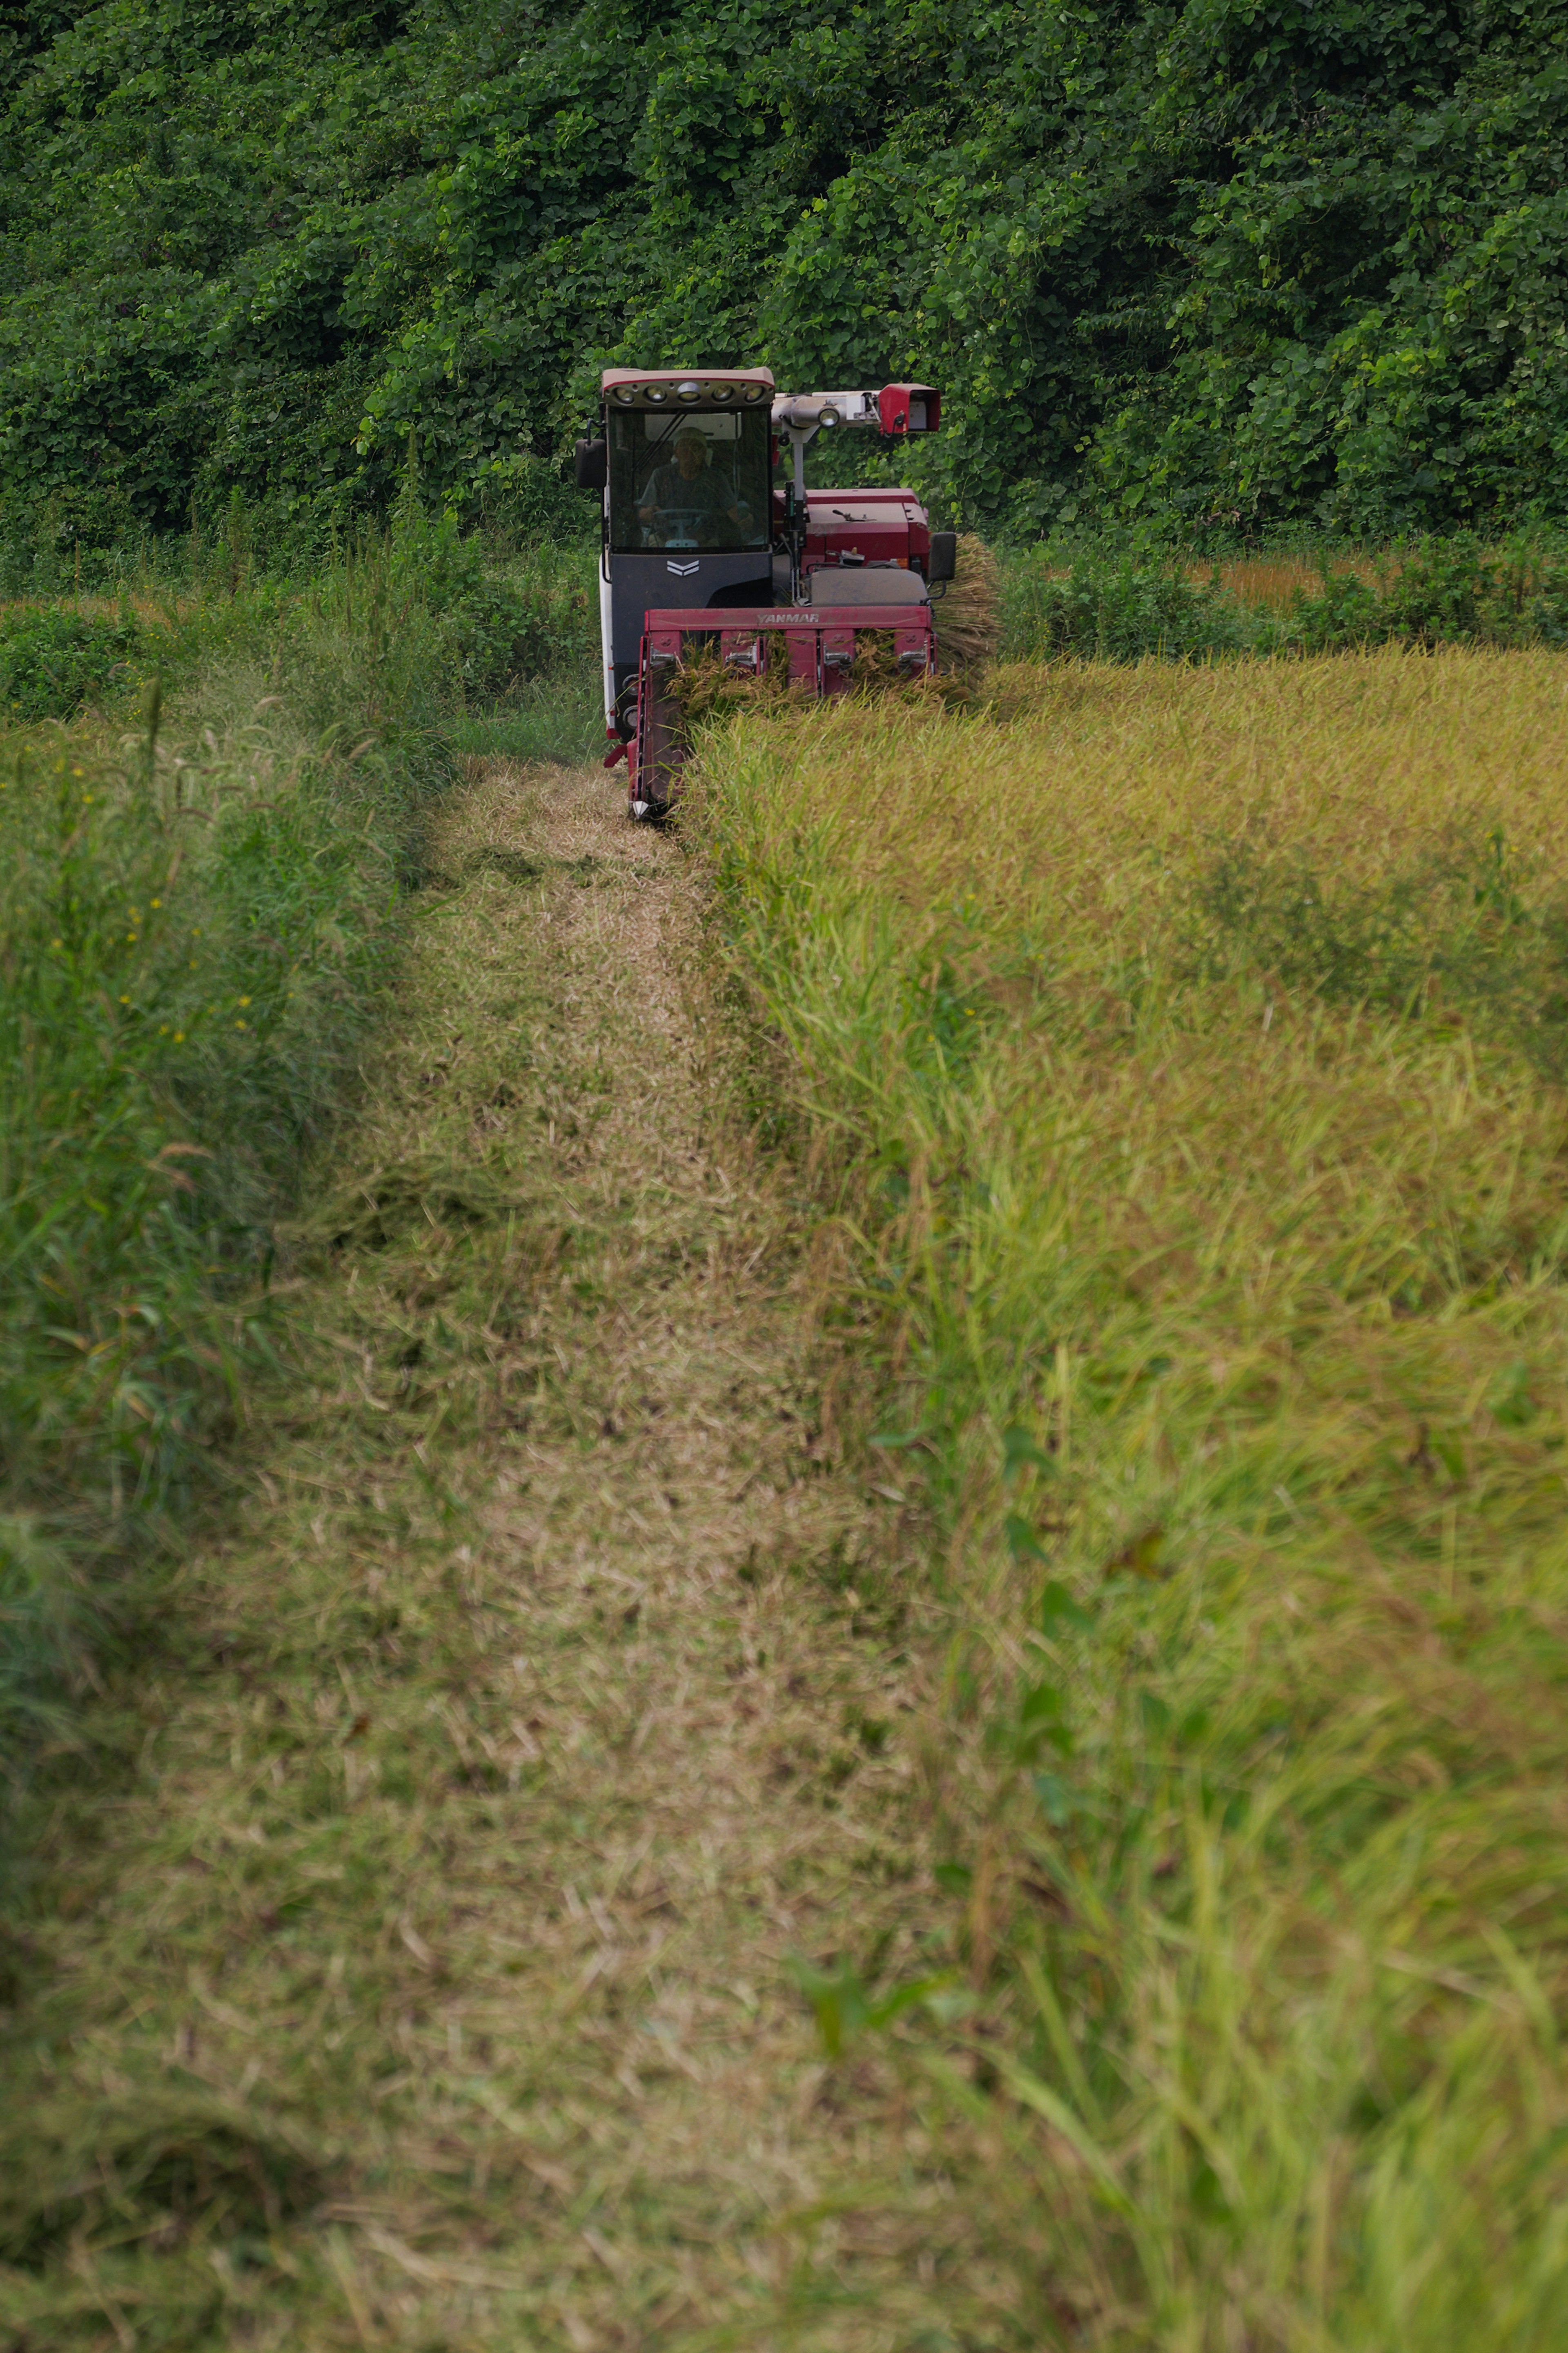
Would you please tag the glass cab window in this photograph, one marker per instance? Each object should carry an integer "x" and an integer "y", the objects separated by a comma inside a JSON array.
[{"x": 690, "y": 479}]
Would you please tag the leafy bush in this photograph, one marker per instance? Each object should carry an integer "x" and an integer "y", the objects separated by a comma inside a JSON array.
[
  {"x": 1113, "y": 604},
  {"x": 1114, "y": 608},
  {"x": 524, "y": 499},
  {"x": 51, "y": 663},
  {"x": 1161, "y": 265},
  {"x": 497, "y": 624},
  {"x": 1443, "y": 592},
  {"x": 509, "y": 626}
]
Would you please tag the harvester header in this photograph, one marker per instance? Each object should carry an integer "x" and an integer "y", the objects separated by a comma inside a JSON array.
[{"x": 701, "y": 548}]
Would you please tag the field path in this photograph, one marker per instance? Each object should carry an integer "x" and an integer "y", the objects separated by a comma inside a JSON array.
[{"x": 547, "y": 1699}]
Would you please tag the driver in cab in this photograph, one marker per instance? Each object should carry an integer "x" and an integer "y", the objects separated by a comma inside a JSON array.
[{"x": 689, "y": 499}]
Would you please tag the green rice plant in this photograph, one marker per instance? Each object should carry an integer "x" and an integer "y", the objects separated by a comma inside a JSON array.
[
  {"x": 40, "y": 1615},
  {"x": 1210, "y": 1230},
  {"x": 1453, "y": 935}
]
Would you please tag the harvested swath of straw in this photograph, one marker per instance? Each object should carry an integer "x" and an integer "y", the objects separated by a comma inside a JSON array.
[{"x": 967, "y": 613}]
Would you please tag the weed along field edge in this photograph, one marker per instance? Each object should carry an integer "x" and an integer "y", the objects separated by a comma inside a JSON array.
[{"x": 870, "y": 1654}]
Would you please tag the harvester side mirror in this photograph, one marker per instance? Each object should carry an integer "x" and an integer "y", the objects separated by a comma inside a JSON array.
[
  {"x": 943, "y": 561},
  {"x": 593, "y": 458}
]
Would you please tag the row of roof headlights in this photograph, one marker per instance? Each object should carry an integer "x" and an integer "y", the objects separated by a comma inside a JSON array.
[{"x": 658, "y": 394}]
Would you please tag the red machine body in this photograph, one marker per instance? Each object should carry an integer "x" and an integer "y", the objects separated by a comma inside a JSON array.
[
  {"x": 871, "y": 525},
  {"x": 683, "y": 467}
]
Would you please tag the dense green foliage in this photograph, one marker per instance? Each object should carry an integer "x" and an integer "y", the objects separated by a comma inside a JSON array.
[{"x": 1218, "y": 264}]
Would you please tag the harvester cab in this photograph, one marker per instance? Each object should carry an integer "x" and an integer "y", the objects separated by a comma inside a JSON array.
[{"x": 701, "y": 547}]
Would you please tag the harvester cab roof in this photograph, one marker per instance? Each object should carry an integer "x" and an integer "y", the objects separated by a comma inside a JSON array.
[{"x": 701, "y": 548}]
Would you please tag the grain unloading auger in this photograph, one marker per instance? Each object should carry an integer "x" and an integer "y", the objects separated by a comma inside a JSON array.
[{"x": 701, "y": 548}]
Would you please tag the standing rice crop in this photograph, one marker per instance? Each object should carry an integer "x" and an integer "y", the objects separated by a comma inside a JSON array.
[{"x": 1181, "y": 1057}]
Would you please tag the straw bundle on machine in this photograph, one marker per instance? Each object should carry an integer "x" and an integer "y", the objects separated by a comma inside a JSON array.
[{"x": 967, "y": 613}]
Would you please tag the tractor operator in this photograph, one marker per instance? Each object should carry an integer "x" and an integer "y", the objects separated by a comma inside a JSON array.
[{"x": 689, "y": 499}]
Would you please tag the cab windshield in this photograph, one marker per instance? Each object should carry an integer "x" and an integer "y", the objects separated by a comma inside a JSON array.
[{"x": 690, "y": 479}]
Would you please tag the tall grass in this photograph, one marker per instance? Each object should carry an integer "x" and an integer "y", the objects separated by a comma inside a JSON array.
[
  {"x": 1178, "y": 1055},
  {"x": 189, "y": 950},
  {"x": 199, "y": 920},
  {"x": 488, "y": 623}
]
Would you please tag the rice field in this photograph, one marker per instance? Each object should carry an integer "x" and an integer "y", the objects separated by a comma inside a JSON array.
[
  {"x": 1176, "y": 1057},
  {"x": 1158, "y": 1071}
]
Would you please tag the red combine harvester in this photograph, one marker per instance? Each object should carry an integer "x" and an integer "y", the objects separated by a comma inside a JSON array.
[{"x": 701, "y": 548}]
